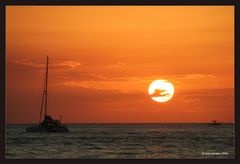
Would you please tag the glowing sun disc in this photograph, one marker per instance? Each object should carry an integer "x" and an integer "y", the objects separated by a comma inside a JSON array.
[{"x": 161, "y": 90}]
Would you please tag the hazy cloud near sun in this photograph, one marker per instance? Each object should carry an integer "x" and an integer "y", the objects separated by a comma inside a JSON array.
[{"x": 103, "y": 82}]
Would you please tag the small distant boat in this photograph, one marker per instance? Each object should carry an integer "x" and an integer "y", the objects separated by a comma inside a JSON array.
[
  {"x": 48, "y": 124},
  {"x": 214, "y": 123}
]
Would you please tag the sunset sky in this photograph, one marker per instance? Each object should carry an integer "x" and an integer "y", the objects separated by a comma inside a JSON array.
[{"x": 103, "y": 59}]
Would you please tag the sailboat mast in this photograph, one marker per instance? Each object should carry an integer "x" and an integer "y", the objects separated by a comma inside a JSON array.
[
  {"x": 43, "y": 98},
  {"x": 46, "y": 88}
]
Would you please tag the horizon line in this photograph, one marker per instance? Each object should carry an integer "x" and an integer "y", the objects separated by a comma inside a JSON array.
[{"x": 126, "y": 123}]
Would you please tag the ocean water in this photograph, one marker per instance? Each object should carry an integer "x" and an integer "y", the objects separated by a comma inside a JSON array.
[{"x": 123, "y": 141}]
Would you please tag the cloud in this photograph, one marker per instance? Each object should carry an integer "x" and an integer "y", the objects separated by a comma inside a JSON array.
[
  {"x": 159, "y": 93},
  {"x": 26, "y": 62},
  {"x": 119, "y": 64},
  {"x": 67, "y": 64},
  {"x": 52, "y": 66},
  {"x": 98, "y": 77},
  {"x": 79, "y": 77},
  {"x": 191, "y": 76}
]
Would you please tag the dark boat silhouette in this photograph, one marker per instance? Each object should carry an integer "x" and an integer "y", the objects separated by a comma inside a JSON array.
[
  {"x": 48, "y": 124},
  {"x": 214, "y": 123}
]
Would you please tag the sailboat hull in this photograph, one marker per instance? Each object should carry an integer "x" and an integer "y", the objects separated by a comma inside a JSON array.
[
  {"x": 215, "y": 124},
  {"x": 42, "y": 129}
]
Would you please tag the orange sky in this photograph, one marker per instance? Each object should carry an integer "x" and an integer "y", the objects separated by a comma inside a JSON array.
[{"x": 103, "y": 58}]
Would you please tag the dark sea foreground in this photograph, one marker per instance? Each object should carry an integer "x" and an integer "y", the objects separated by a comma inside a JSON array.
[{"x": 123, "y": 141}]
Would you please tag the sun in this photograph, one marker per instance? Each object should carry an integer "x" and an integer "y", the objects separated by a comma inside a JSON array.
[{"x": 161, "y": 90}]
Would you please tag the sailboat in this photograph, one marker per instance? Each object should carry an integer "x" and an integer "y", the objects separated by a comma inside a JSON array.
[
  {"x": 214, "y": 122},
  {"x": 48, "y": 124}
]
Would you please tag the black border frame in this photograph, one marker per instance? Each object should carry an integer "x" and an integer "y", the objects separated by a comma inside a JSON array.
[{"x": 4, "y": 3}]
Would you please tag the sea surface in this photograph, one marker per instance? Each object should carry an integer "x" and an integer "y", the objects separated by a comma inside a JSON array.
[{"x": 123, "y": 141}]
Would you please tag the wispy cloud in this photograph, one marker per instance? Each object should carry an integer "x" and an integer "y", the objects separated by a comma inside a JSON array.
[
  {"x": 191, "y": 76},
  {"x": 55, "y": 66},
  {"x": 119, "y": 64},
  {"x": 77, "y": 76},
  {"x": 26, "y": 62},
  {"x": 83, "y": 78},
  {"x": 69, "y": 64}
]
